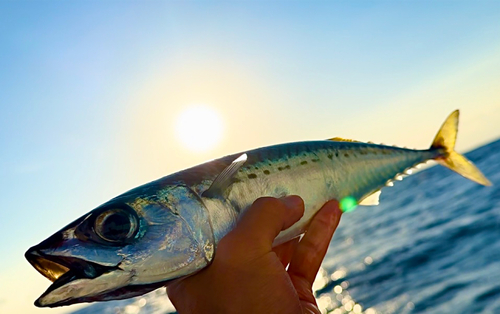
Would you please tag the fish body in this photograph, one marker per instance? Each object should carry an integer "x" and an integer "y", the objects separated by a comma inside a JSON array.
[
  {"x": 170, "y": 228},
  {"x": 316, "y": 170}
]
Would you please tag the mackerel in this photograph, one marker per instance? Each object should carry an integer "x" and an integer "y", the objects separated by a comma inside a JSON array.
[{"x": 169, "y": 228}]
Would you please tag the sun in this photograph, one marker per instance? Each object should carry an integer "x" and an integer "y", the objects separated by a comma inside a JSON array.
[{"x": 199, "y": 128}]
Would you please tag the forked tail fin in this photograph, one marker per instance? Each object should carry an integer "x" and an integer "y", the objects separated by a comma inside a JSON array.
[{"x": 445, "y": 139}]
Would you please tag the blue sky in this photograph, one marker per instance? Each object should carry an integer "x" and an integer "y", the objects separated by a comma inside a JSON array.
[{"x": 90, "y": 90}]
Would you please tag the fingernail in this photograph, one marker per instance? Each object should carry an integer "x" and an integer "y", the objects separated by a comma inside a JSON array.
[{"x": 292, "y": 201}]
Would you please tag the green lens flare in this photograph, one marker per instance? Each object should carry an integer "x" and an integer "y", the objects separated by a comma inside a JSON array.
[{"x": 348, "y": 204}]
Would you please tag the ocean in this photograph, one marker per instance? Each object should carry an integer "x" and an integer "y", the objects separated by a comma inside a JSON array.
[{"x": 431, "y": 246}]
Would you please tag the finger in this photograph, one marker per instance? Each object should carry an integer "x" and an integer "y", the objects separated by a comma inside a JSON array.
[
  {"x": 312, "y": 248},
  {"x": 267, "y": 216},
  {"x": 285, "y": 251}
]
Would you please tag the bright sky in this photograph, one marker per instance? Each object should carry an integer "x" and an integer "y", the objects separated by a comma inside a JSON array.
[{"x": 91, "y": 93}]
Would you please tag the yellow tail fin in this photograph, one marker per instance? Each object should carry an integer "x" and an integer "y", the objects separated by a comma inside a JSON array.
[{"x": 445, "y": 139}]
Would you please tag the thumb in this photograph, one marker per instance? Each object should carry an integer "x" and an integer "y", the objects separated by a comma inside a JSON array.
[{"x": 267, "y": 217}]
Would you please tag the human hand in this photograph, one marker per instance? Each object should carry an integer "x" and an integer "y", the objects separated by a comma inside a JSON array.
[{"x": 247, "y": 275}]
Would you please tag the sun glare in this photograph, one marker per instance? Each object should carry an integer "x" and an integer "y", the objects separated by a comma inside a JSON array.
[{"x": 199, "y": 128}]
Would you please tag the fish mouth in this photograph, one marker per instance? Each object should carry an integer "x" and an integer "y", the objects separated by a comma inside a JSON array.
[{"x": 62, "y": 270}]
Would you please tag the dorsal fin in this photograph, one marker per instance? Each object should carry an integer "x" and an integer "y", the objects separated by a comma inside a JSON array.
[
  {"x": 339, "y": 139},
  {"x": 225, "y": 178}
]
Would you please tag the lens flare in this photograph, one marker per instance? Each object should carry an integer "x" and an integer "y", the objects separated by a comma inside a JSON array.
[{"x": 348, "y": 204}]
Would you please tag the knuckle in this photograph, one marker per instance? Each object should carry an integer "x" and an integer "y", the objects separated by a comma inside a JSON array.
[
  {"x": 324, "y": 221},
  {"x": 313, "y": 248}
]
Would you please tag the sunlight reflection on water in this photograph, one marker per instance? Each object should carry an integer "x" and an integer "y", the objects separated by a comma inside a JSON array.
[{"x": 338, "y": 300}]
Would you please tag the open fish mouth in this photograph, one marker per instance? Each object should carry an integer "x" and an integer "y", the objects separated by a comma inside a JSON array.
[{"x": 62, "y": 270}]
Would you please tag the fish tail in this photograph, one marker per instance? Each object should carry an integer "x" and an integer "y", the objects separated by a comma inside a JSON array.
[{"x": 445, "y": 141}]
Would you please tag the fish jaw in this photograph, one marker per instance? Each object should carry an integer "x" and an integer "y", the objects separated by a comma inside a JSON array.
[
  {"x": 71, "y": 277},
  {"x": 76, "y": 280},
  {"x": 83, "y": 290},
  {"x": 69, "y": 289},
  {"x": 77, "y": 284}
]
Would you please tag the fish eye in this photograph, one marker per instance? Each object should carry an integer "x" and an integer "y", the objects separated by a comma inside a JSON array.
[{"x": 116, "y": 225}]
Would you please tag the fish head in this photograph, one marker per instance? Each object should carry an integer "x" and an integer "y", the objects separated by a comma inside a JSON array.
[{"x": 128, "y": 246}]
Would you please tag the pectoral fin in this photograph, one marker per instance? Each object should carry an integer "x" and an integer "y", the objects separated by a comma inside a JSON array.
[{"x": 225, "y": 178}]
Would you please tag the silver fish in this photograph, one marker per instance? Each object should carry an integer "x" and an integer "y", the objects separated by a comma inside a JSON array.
[{"x": 169, "y": 228}]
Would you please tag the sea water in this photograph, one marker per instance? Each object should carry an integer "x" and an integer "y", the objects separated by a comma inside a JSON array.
[{"x": 431, "y": 246}]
